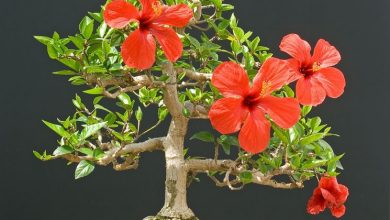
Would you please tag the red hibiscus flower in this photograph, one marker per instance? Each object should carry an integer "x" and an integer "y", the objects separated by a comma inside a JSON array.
[
  {"x": 329, "y": 194},
  {"x": 154, "y": 19},
  {"x": 315, "y": 74},
  {"x": 245, "y": 107}
]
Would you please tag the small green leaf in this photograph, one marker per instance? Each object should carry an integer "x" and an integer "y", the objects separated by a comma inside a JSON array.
[
  {"x": 37, "y": 155},
  {"x": 86, "y": 151},
  {"x": 86, "y": 27},
  {"x": 90, "y": 130},
  {"x": 65, "y": 73},
  {"x": 311, "y": 138},
  {"x": 203, "y": 136},
  {"x": 83, "y": 169},
  {"x": 138, "y": 114},
  {"x": 306, "y": 110},
  {"x": 43, "y": 39},
  {"x": 246, "y": 177},
  {"x": 94, "y": 91},
  {"x": 57, "y": 129},
  {"x": 125, "y": 99},
  {"x": 162, "y": 113},
  {"x": 62, "y": 150}
]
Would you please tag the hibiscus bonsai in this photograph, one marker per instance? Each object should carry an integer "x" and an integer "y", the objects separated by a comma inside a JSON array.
[{"x": 169, "y": 57}]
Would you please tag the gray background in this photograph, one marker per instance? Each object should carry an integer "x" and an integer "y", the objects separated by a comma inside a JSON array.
[{"x": 30, "y": 189}]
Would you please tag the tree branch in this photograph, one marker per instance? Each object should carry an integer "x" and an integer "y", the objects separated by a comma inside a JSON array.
[
  {"x": 116, "y": 152},
  {"x": 171, "y": 98},
  {"x": 231, "y": 168},
  {"x": 197, "y": 76}
]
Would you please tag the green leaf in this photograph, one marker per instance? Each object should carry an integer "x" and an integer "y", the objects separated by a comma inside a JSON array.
[
  {"x": 246, "y": 177},
  {"x": 94, "y": 91},
  {"x": 77, "y": 41},
  {"x": 138, "y": 114},
  {"x": 57, "y": 129},
  {"x": 203, "y": 136},
  {"x": 125, "y": 99},
  {"x": 335, "y": 163},
  {"x": 311, "y": 138},
  {"x": 86, "y": 27},
  {"x": 86, "y": 151},
  {"x": 91, "y": 130},
  {"x": 65, "y": 73},
  {"x": 37, "y": 155},
  {"x": 62, "y": 150},
  {"x": 162, "y": 113},
  {"x": 306, "y": 110},
  {"x": 313, "y": 164},
  {"x": 83, "y": 169},
  {"x": 43, "y": 39},
  {"x": 110, "y": 118}
]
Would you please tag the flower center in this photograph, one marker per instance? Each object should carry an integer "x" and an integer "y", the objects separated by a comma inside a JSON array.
[
  {"x": 308, "y": 70},
  {"x": 251, "y": 101}
]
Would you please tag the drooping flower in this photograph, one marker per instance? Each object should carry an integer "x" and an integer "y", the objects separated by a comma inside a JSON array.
[
  {"x": 244, "y": 107},
  {"x": 154, "y": 21},
  {"x": 317, "y": 78},
  {"x": 329, "y": 194}
]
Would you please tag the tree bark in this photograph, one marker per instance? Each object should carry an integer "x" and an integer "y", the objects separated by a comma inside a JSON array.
[{"x": 175, "y": 206}]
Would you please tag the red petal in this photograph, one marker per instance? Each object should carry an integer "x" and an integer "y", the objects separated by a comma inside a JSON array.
[
  {"x": 177, "y": 15},
  {"x": 273, "y": 74},
  {"x": 231, "y": 79},
  {"x": 332, "y": 80},
  {"x": 316, "y": 203},
  {"x": 119, "y": 13},
  {"x": 169, "y": 41},
  {"x": 254, "y": 136},
  {"x": 310, "y": 92},
  {"x": 295, "y": 73},
  {"x": 149, "y": 7},
  {"x": 139, "y": 49},
  {"x": 329, "y": 183},
  {"x": 339, "y": 211},
  {"x": 284, "y": 111},
  {"x": 328, "y": 196},
  {"x": 296, "y": 47},
  {"x": 325, "y": 54},
  {"x": 226, "y": 115},
  {"x": 342, "y": 195}
]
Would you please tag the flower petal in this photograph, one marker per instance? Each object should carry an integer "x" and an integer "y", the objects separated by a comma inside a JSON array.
[
  {"x": 177, "y": 15},
  {"x": 273, "y": 74},
  {"x": 310, "y": 91},
  {"x": 119, "y": 13},
  {"x": 295, "y": 67},
  {"x": 169, "y": 41},
  {"x": 316, "y": 203},
  {"x": 227, "y": 114},
  {"x": 332, "y": 80},
  {"x": 254, "y": 136},
  {"x": 296, "y": 47},
  {"x": 138, "y": 50},
  {"x": 328, "y": 196},
  {"x": 231, "y": 79},
  {"x": 342, "y": 195},
  {"x": 329, "y": 183},
  {"x": 325, "y": 54},
  {"x": 284, "y": 111},
  {"x": 150, "y": 7},
  {"x": 339, "y": 211}
]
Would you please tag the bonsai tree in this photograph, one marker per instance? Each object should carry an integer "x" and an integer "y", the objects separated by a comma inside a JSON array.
[{"x": 189, "y": 60}]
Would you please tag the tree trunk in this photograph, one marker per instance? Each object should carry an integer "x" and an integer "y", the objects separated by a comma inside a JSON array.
[{"x": 175, "y": 207}]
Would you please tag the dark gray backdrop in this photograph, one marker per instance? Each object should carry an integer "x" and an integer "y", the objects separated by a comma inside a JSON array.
[{"x": 30, "y": 189}]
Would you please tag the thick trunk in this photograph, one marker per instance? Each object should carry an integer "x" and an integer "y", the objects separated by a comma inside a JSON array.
[{"x": 175, "y": 207}]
